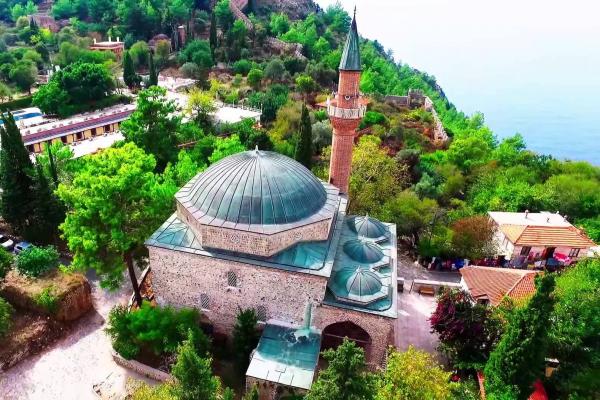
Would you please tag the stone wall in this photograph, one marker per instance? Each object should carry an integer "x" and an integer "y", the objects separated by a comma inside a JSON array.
[
  {"x": 263, "y": 245},
  {"x": 439, "y": 133},
  {"x": 141, "y": 368},
  {"x": 380, "y": 329},
  {"x": 180, "y": 278}
]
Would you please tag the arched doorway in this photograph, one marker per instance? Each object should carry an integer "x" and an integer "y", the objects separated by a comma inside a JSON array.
[{"x": 333, "y": 335}]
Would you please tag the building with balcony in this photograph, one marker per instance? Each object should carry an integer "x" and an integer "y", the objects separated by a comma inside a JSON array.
[{"x": 117, "y": 47}]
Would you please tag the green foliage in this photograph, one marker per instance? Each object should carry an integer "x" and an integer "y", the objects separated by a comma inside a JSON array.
[
  {"x": 242, "y": 67},
  {"x": 473, "y": 237},
  {"x": 140, "y": 54},
  {"x": 304, "y": 147},
  {"x": 115, "y": 202},
  {"x": 153, "y": 127},
  {"x": 518, "y": 360},
  {"x": 6, "y": 261},
  {"x": 346, "y": 376},
  {"x": 160, "y": 329},
  {"x": 19, "y": 10},
  {"x": 252, "y": 394},
  {"x": 6, "y": 311},
  {"x": 47, "y": 211},
  {"x": 35, "y": 261},
  {"x": 199, "y": 53},
  {"x": 15, "y": 175},
  {"x": 184, "y": 170},
  {"x": 275, "y": 70},
  {"x": 47, "y": 299},
  {"x": 245, "y": 337},
  {"x": 574, "y": 331},
  {"x": 372, "y": 118},
  {"x": 144, "y": 391},
  {"x": 279, "y": 24},
  {"x": 70, "y": 53},
  {"x": 194, "y": 374},
  {"x": 130, "y": 78},
  {"x": 224, "y": 15},
  {"x": 305, "y": 84},
  {"x": 412, "y": 216},
  {"x": 201, "y": 105},
  {"x": 23, "y": 74},
  {"x": 254, "y": 79},
  {"x": 224, "y": 147},
  {"x": 414, "y": 375}
]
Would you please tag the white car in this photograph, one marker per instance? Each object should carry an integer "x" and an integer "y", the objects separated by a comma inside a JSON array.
[{"x": 6, "y": 243}]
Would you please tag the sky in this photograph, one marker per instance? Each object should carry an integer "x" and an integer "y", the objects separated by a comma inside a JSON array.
[{"x": 530, "y": 66}]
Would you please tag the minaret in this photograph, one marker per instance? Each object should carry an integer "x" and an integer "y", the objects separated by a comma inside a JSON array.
[{"x": 346, "y": 111}]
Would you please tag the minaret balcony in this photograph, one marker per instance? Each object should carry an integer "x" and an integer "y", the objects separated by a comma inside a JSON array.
[{"x": 346, "y": 113}]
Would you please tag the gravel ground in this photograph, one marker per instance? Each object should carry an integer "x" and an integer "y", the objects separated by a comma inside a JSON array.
[{"x": 69, "y": 368}]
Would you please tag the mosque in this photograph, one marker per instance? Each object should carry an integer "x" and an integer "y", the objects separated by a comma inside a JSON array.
[{"x": 259, "y": 230}]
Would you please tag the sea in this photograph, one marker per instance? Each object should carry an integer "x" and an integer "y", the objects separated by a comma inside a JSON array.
[{"x": 530, "y": 66}]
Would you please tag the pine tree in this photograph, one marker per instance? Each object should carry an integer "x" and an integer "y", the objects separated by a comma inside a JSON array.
[
  {"x": 48, "y": 212},
  {"x": 194, "y": 374},
  {"x": 213, "y": 32},
  {"x": 129, "y": 76},
  {"x": 304, "y": 147},
  {"x": 33, "y": 27},
  {"x": 245, "y": 337},
  {"x": 15, "y": 175},
  {"x": 518, "y": 360},
  {"x": 153, "y": 78}
]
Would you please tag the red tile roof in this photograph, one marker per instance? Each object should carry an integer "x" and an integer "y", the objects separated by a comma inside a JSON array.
[
  {"x": 495, "y": 283},
  {"x": 547, "y": 236}
]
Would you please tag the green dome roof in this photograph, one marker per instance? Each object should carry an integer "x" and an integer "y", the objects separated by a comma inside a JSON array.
[
  {"x": 363, "y": 251},
  {"x": 367, "y": 227},
  {"x": 254, "y": 187},
  {"x": 363, "y": 282}
]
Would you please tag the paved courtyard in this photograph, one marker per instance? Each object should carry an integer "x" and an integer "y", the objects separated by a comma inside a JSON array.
[{"x": 69, "y": 368}]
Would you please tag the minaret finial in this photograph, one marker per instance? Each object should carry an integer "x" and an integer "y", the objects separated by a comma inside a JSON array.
[{"x": 355, "y": 11}]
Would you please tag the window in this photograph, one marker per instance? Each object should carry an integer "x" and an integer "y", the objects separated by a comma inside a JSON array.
[
  {"x": 232, "y": 279},
  {"x": 525, "y": 250},
  {"x": 574, "y": 253},
  {"x": 261, "y": 313},
  {"x": 204, "y": 301}
]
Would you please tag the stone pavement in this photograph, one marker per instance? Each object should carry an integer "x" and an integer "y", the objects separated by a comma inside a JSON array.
[{"x": 70, "y": 367}]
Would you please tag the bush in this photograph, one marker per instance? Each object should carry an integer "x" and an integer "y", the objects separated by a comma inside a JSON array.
[
  {"x": 6, "y": 260},
  {"x": 6, "y": 311},
  {"x": 160, "y": 329},
  {"x": 35, "y": 261},
  {"x": 373, "y": 118},
  {"x": 47, "y": 299},
  {"x": 242, "y": 67}
]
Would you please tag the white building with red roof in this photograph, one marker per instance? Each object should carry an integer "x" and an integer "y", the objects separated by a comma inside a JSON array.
[
  {"x": 527, "y": 238},
  {"x": 490, "y": 285}
]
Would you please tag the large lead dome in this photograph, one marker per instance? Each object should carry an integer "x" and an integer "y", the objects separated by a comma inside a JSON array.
[{"x": 255, "y": 188}]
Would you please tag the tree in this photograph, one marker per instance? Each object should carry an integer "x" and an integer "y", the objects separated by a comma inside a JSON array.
[
  {"x": 23, "y": 74},
  {"x": 414, "y": 375},
  {"x": 115, "y": 202},
  {"x": 224, "y": 14},
  {"x": 201, "y": 105},
  {"x": 346, "y": 376},
  {"x": 467, "y": 330},
  {"x": 47, "y": 211},
  {"x": 194, "y": 374},
  {"x": 275, "y": 70},
  {"x": 245, "y": 336},
  {"x": 304, "y": 147},
  {"x": 6, "y": 311},
  {"x": 162, "y": 50},
  {"x": 35, "y": 261},
  {"x": 56, "y": 162},
  {"x": 6, "y": 261},
  {"x": 254, "y": 78},
  {"x": 153, "y": 74},
  {"x": 518, "y": 360},
  {"x": 411, "y": 215},
  {"x": 153, "y": 127},
  {"x": 305, "y": 84},
  {"x": 473, "y": 237},
  {"x": 574, "y": 331},
  {"x": 213, "y": 33},
  {"x": 252, "y": 394},
  {"x": 5, "y": 92},
  {"x": 140, "y": 54},
  {"x": 279, "y": 24},
  {"x": 224, "y": 147},
  {"x": 130, "y": 78},
  {"x": 16, "y": 173}
]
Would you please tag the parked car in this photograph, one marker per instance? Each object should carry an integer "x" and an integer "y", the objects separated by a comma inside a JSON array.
[
  {"x": 6, "y": 242},
  {"x": 19, "y": 247}
]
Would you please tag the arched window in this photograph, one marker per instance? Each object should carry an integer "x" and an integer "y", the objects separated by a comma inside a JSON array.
[
  {"x": 232, "y": 279},
  {"x": 204, "y": 301},
  {"x": 261, "y": 313}
]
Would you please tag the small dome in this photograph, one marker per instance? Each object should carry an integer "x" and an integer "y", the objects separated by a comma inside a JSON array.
[
  {"x": 367, "y": 227},
  {"x": 363, "y": 282},
  {"x": 363, "y": 251},
  {"x": 256, "y": 188}
]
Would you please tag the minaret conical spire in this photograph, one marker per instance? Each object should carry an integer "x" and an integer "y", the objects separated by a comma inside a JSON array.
[{"x": 351, "y": 54}]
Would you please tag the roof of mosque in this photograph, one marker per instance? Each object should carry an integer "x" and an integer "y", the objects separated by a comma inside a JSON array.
[
  {"x": 363, "y": 251},
  {"x": 369, "y": 228},
  {"x": 351, "y": 55},
  {"x": 259, "y": 191}
]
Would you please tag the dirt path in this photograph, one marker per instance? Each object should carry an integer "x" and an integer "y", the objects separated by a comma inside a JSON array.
[{"x": 69, "y": 368}]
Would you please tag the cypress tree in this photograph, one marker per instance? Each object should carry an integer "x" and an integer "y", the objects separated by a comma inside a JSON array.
[
  {"x": 129, "y": 75},
  {"x": 52, "y": 165},
  {"x": 304, "y": 147},
  {"x": 15, "y": 175},
  {"x": 518, "y": 360},
  {"x": 213, "y": 32},
  {"x": 153, "y": 78},
  {"x": 47, "y": 211}
]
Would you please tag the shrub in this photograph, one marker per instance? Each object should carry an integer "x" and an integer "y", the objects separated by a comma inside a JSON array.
[
  {"x": 373, "y": 118},
  {"x": 245, "y": 336},
  {"x": 6, "y": 260},
  {"x": 6, "y": 311},
  {"x": 161, "y": 329},
  {"x": 242, "y": 67},
  {"x": 35, "y": 261},
  {"x": 47, "y": 299}
]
